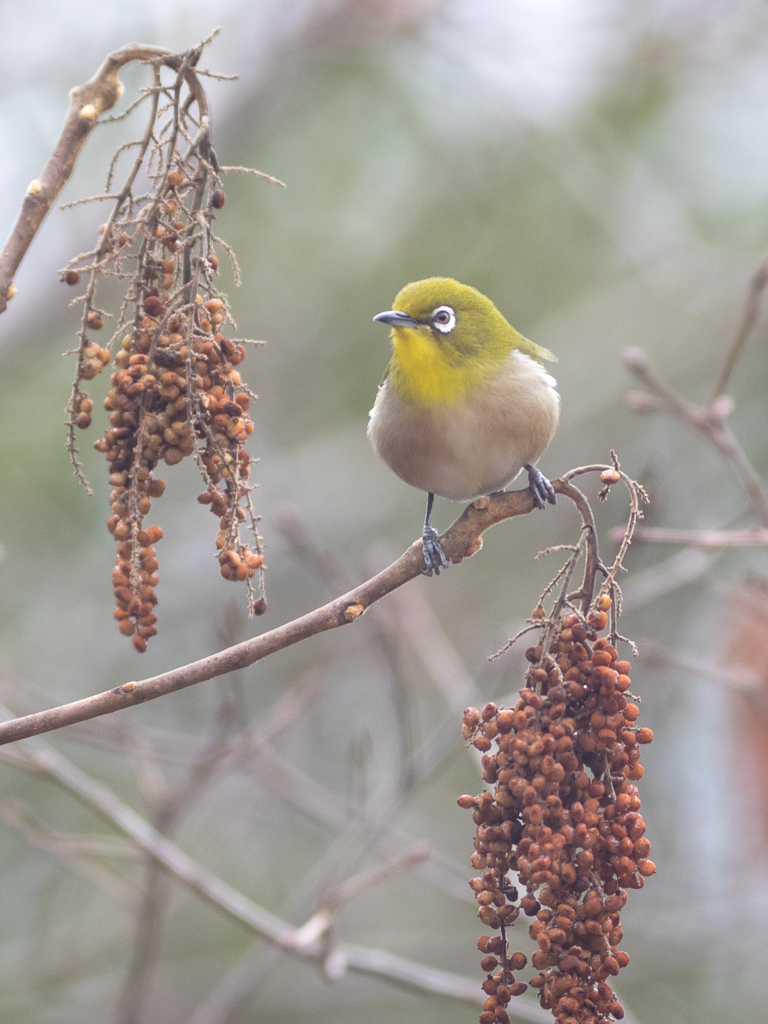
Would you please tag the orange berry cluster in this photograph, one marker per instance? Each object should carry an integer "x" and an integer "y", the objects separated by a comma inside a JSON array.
[
  {"x": 174, "y": 392},
  {"x": 564, "y": 817}
]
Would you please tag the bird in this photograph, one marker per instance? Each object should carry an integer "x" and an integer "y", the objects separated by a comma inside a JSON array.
[{"x": 466, "y": 402}]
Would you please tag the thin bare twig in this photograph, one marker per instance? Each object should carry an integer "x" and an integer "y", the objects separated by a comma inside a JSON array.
[
  {"x": 749, "y": 316},
  {"x": 319, "y": 923},
  {"x": 251, "y": 170},
  {"x": 742, "y": 681},
  {"x": 701, "y": 538},
  {"x": 710, "y": 421},
  {"x": 82, "y": 854},
  {"x": 418, "y": 625},
  {"x": 679, "y": 570},
  {"x": 320, "y": 804}
]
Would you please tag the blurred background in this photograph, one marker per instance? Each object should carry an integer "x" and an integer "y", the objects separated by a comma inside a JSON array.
[{"x": 600, "y": 169}]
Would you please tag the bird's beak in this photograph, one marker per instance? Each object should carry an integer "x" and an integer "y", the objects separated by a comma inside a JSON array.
[{"x": 396, "y": 318}]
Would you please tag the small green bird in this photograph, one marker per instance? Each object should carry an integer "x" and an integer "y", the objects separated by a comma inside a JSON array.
[{"x": 466, "y": 402}]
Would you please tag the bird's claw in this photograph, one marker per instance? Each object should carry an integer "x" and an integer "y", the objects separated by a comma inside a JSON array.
[
  {"x": 540, "y": 486},
  {"x": 435, "y": 558}
]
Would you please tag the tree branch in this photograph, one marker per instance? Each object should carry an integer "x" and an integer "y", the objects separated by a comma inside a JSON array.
[
  {"x": 87, "y": 103},
  {"x": 460, "y": 541}
]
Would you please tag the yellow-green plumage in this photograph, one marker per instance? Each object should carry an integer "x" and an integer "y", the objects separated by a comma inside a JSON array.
[
  {"x": 429, "y": 374},
  {"x": 466, "y": 402}
]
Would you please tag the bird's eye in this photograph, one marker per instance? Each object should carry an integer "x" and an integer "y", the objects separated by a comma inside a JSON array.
[{"x": 443, "y": 319}]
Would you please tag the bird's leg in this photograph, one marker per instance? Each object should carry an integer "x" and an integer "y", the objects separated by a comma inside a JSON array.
[
  {"x": 541, "y": 488},
  {"x": 435, "y": 558}
]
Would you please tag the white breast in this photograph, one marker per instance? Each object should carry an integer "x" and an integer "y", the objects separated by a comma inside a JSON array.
[{"x": 475, "y": 447}]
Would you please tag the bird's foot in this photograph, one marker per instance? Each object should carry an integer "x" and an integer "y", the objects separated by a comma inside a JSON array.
[
  {"x": 435, "y": 558},
  {"x": 541, "y": 488}
]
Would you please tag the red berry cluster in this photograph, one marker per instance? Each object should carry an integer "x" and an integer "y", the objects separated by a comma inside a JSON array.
[{"x": 564, "y": 818}]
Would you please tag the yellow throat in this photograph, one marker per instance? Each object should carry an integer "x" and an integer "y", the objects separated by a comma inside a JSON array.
[{"x": 425, "y": 374}]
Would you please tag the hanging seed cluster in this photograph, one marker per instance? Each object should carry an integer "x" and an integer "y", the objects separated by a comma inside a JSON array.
[
  {"x": 563, "y": 820},
  {"x": 176, "y": 392}
]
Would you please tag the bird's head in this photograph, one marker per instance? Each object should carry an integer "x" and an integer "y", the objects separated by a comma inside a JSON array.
[
  {"x": 448, "y": 338},
  {"x": 452, "y": 318}
]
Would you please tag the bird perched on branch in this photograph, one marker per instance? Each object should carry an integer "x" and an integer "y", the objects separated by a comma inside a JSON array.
[{"x": 466, "y": 402}]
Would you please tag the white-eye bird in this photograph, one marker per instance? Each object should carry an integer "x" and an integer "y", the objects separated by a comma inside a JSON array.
[{"x": 466, "y": 402}]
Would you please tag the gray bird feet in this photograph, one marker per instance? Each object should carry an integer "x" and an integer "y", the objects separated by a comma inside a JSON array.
[
  {"x": 541, "y": 488},
  {"x": 435, "y": 558}
]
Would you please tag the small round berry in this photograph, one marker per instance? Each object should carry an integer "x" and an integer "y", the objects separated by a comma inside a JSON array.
[
  {"x": 598, "y": 620},
  {"x": 610, "y": 476},
  {"x": 153, "y": 305},
  {"x": 488, "y": 712}
]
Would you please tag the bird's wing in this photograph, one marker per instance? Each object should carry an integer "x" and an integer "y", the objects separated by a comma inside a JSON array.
[{"x": 537, "y": 352}]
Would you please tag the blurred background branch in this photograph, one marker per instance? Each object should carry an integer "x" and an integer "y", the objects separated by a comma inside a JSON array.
[{"x": 303, "y": 943}]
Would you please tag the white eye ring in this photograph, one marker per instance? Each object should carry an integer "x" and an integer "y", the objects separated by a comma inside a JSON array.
[{"x": 443, "y": 319}]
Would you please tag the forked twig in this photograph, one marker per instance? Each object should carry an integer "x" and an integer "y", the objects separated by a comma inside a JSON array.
[
  {"x": 587, "y": 547},
  {"x": 710, "y": 420}
]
